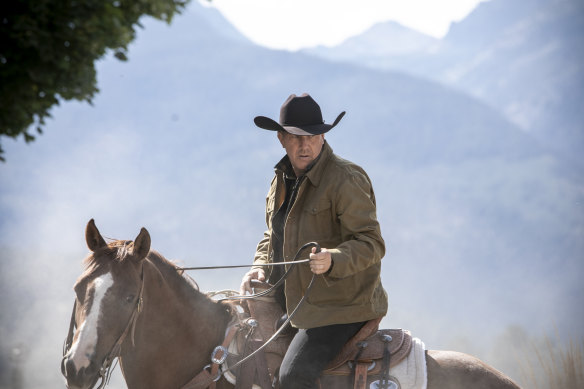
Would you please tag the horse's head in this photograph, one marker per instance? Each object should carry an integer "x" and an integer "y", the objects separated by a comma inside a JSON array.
[{"x": 108, "y": 301}]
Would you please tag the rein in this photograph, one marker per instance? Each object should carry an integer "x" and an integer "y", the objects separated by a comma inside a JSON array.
[
  {"x": 247, "y": 265},
  {"x": 275, "y": 335},
  {"x": 205, "y": 378},
  {"x": 278, "y": 283},
  {"x": 106, "y": 367},
  {"x": 289, "y": 318}
]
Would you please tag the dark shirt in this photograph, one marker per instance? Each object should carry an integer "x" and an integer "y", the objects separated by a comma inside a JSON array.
[{"x": 279, "y": 221}]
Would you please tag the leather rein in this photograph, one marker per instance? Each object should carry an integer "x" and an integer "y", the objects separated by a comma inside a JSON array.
[{"x": 204, "y": 376}]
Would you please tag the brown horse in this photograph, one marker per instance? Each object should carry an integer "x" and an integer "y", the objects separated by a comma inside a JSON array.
[{"x": 134, "y": 304}]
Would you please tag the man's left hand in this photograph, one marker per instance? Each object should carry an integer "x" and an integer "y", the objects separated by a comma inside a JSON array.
[{"x": 320, "y": 262}]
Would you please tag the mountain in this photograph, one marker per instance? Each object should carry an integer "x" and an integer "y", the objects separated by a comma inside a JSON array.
[
  {"x": 482, "y": 222},
  {"x": 522, "y": 57},
  {"x": 379, "y": 46}
]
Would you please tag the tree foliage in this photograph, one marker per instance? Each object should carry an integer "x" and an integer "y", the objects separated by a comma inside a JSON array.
[{"x": 48, "y": 49}]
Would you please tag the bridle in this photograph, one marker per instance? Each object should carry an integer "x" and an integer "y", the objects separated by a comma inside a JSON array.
[{"x": 106, "y": 367}]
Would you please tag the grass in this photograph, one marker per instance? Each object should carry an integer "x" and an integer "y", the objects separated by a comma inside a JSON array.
[{"x": 554, "y": 367}]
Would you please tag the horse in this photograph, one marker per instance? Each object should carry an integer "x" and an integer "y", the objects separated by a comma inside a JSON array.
[{"x": 134, "y": 304}]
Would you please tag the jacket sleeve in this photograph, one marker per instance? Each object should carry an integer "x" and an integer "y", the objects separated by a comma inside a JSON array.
[
  {"x": 363, "y": 245},
  {"x": 261, "y": 255}
]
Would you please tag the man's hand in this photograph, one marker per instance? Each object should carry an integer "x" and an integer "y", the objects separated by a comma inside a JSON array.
[
  {"x": 253, "y": 274},
  {"x": 320, "y": 262}
]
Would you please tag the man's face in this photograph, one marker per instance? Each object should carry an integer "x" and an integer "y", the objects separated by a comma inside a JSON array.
[{"x": 301, "y": 149}]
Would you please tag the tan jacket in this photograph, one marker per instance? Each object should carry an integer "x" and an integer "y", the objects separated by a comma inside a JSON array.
[{"x": 335, "y": 207}]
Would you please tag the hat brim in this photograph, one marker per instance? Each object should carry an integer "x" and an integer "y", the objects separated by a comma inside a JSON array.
[{"x": 316, "y": 129}]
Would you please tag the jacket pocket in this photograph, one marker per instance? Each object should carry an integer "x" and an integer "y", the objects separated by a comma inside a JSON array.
[
  {"x": 319, "y": 224},
  {"x": 347, "y": 292},
  {"x": 316, "y": 207}
]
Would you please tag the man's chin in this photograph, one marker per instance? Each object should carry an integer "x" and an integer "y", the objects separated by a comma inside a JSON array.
[{"x": 302, "y": 163}]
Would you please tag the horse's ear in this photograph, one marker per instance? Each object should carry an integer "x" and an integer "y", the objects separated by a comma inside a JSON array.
[
  {"x": 142, "y": 244},
  {"x": 93, "y": 237}
]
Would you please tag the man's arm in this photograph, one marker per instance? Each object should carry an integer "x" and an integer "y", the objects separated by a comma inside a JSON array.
[
  {"x": 363, "y": 244},
  {"x": 256, "y": 273}
]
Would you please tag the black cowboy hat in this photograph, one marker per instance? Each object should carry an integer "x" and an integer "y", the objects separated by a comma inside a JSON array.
[{"x": 299, "y": 115}]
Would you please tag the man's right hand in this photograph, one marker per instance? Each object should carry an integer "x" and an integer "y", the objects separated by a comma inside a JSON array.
[{"x": 253, "y": 274}]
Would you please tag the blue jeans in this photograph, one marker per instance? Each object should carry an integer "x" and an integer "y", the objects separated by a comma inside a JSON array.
[{"x": 311, "y": 351}]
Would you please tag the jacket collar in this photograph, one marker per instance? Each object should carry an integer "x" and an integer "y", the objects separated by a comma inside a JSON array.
[{"x": 315, "y": 171}]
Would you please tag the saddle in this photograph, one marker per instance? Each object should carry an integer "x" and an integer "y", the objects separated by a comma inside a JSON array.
[{"x": 364, "y": 359}]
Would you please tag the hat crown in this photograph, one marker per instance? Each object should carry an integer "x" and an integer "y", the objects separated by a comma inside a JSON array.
[{"x": 300, "y": 111}]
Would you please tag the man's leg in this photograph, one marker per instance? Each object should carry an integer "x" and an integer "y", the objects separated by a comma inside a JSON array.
[{"x": 310, "y": 351}]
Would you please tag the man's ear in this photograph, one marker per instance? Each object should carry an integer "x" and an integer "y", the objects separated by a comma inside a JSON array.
[{"x": 281, "y": 138}]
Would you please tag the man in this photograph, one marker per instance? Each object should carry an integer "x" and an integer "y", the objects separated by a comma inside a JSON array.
[{"x": 318, "y": 196}]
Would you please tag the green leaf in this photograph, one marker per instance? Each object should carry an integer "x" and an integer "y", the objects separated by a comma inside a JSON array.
[{"x": 49, "y": 50}]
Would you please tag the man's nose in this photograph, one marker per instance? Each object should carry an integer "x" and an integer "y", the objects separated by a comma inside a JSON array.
[{"x": 303, "y": 140}]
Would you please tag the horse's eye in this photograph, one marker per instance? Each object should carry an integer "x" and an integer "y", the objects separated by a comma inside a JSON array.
[{"x": 130, "y": 298}]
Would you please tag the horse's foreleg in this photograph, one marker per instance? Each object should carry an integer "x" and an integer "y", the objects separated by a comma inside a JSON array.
[{"x": 455, "y": 370}]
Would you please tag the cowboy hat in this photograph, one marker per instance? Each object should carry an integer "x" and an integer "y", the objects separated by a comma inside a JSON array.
[{"x": 299, "y": 115}]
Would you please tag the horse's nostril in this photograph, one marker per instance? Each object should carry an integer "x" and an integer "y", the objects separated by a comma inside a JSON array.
[
  {"x": 90, "y": 370},
  {"x": 70, "y": 368}
]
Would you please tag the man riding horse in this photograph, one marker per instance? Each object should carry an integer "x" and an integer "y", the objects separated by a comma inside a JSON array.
[{"x": 318, "y": 196}]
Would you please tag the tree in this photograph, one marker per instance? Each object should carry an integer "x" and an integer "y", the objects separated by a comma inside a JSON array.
[{"x": 48, "y": 49}]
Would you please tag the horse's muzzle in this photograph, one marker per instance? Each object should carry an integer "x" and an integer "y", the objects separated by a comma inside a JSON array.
[{"x": 84, "y": 378}]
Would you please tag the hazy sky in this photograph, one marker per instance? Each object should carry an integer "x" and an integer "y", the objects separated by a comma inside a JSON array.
[{"x": 293, "y": 24}]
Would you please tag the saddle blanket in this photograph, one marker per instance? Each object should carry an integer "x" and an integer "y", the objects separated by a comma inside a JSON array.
[{"x": 411, "y": 373}]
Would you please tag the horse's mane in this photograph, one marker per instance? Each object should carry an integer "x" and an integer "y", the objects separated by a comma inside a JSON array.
[
  {"x": 117, "y": 250},
  {"x": 170, "y": 269},
  {"x": 171, "y": 272},
  {"x": 121, "y": 250}
]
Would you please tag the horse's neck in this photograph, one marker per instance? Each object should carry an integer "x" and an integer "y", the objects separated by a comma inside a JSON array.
[{"x": 175, "y": 334}]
